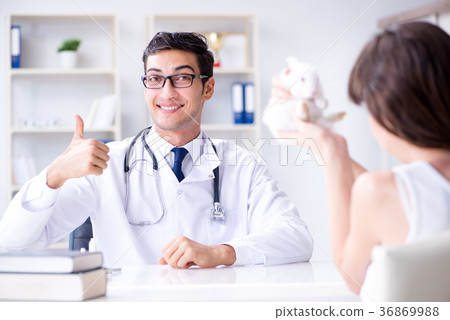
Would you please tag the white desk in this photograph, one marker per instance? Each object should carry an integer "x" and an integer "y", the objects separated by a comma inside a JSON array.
[{"x": 313, "y": 281}]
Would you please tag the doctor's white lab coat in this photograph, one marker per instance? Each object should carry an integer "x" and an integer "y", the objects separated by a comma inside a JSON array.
[{"x": 262, "y": 224}]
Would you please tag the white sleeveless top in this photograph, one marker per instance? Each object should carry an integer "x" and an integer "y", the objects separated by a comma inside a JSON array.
[{"x": 425, "y": 197}]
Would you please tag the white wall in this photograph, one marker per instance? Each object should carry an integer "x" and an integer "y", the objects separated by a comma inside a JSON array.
[{"x": 329, "y": 32}]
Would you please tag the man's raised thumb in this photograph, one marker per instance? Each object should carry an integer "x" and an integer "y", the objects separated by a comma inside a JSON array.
[{"x": 79, "y": 127}]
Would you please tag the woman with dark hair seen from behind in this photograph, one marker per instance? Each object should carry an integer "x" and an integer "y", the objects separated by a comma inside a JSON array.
[{"x": 402, "y": 76}]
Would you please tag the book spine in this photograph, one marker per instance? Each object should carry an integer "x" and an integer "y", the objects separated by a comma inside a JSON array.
[{"x": 15, "y": 46}]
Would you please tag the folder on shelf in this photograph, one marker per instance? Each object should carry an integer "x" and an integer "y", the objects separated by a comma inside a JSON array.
[
  {"x": 15, "y": 46},
  {"x": 249, "y": 102},
  {"x": 243, "y": 100},
  {"x": 237, "y": 94}
]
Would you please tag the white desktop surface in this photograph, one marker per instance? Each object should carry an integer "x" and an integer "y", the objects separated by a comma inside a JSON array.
[{"x": 310, "y": 281}]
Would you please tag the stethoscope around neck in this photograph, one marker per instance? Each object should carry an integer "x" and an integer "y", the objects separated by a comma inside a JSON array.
[{"x": 217, "y": 212}]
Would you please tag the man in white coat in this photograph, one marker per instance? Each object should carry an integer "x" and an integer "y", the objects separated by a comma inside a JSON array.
[{"x": 147, "y": 215}]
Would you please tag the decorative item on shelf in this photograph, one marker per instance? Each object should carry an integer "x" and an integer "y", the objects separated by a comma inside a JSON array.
[
  {"x": 68, "y": 53},
  {"x": 234, "y": 52},
  {"x": 243, "y": 100},
  {"x": 39, "y": 123},
  {"x": 215, "y": 41}
]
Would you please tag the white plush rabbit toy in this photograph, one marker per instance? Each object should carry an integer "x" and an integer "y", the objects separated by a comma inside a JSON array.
[{"x": 302, "y": 81}]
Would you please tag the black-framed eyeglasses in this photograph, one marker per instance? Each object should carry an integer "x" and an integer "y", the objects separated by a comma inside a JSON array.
[{"x": 179, "y": 80}]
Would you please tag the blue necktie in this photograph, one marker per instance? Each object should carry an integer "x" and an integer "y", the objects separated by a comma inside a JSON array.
[{"x": 179, "y": 153}]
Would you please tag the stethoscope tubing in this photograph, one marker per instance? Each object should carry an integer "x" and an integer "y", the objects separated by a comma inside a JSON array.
[{"x": 127, "y": 168}]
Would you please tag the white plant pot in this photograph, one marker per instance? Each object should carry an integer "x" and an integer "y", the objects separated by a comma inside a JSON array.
[{"x": 68, "y": 59}]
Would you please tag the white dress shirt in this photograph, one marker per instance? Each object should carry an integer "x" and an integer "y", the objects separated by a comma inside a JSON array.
[{"x": 262, "y": 224}]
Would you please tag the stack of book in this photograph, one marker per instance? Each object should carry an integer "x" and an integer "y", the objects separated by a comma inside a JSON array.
[{"x": 51, "y": 275}]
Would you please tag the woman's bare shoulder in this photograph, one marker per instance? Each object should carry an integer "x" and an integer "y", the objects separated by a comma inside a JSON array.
[
  {"x": 377, "y": 203},
  {"x": 375, "y": 185}
]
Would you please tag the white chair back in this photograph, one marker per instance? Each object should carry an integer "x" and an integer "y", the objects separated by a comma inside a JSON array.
[{"x": 418, "y": 271}]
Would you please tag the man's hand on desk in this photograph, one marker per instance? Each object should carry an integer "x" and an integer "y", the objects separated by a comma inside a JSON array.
[{"x": 183, "y": 253}]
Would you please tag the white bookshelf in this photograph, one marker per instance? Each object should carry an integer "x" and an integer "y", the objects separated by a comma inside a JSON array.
[
  {"x": 41, "y": 97},
  {"x": 217, "y": 118}
]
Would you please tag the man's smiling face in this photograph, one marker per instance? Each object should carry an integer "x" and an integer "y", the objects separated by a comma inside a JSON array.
[{"x": 177, "y": 111}]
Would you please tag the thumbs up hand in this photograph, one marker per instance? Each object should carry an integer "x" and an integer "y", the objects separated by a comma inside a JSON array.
[{"x": 81, "y": 158}]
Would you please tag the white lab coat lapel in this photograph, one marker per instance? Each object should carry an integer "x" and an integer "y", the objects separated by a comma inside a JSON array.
[{"x": 204, "y": 162}]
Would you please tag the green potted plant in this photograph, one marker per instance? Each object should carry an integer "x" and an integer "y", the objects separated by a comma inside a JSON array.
[{"x": 67, "y": 52}]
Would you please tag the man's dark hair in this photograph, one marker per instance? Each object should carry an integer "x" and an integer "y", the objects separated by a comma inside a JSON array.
[
  {"x": 185, "y": 41},
  {"x": 403, "y": 76}
]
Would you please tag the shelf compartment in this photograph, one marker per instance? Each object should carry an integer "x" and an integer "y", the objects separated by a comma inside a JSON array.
[{"x": 61, "y": 72}]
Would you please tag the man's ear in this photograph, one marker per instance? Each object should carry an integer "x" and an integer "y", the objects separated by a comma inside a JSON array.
[{"x": 208, "y": 88}]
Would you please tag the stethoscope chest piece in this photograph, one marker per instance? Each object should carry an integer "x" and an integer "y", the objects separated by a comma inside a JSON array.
[{"x": 217, "y": 213}]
